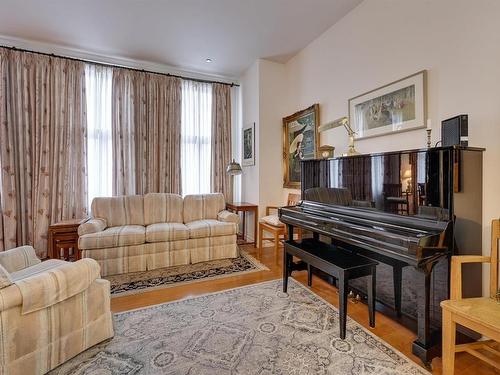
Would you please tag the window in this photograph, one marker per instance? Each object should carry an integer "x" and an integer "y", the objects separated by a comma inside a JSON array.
[
  {"x": 98, "y": 83},
  {"x": 196, "y": 137}
]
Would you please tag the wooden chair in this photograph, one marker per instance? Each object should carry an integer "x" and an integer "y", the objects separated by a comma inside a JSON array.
[
  {"x": 271, "y": 224},
  {"x": 479, "y": 314}
]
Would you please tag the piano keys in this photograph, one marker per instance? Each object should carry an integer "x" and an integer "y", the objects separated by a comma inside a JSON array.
[{"x": 409, "y": 210}]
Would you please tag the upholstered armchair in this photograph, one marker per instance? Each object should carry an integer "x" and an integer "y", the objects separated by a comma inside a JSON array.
[{"x": 50, "y": 311}]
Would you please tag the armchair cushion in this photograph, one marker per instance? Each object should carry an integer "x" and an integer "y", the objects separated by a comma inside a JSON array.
[
  {"x": 18, "y": 258},
  {"x": 272, "y": 220},
  {"x": 5, "y": 279},
  {"x": 228, "y": 217},
  {"x": 58, "y": 284},
  {"x": 92, "y": 226}
]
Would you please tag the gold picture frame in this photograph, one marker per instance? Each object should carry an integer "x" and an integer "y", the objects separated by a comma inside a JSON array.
[{"x": 300, "y": 142}]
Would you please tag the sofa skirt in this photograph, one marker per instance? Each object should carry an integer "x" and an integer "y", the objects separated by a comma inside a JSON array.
[{"x": 150, "y": 256}]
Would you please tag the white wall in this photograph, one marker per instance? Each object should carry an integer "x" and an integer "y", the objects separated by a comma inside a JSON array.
[
  {"x": 264, "y": 100},
  {"x": 250, "y": 114},
  {"x": 272, "y": 103},
  {"x": 457, "y": 41}
]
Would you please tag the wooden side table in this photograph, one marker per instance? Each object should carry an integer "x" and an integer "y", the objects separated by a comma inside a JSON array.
[
  {"x": 62, "y": 238},
  {"x": 245, "y": 207}
]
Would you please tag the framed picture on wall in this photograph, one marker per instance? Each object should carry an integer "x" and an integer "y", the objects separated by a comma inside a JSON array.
[
  {"x": 396, "y": 107},
  {"x": 248, "y": 146},
  {"x": 300, "y": 142}
]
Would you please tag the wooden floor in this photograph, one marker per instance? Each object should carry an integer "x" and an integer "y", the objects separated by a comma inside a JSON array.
[{"x": 387, "y": 329}]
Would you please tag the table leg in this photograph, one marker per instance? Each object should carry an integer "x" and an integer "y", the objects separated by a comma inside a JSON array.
[
  {"x": 256, "y": 223},
  {"x": 244, "y": 226}
]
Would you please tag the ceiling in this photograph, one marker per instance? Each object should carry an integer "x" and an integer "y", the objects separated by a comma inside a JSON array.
[{"x": 179, "y": 33}]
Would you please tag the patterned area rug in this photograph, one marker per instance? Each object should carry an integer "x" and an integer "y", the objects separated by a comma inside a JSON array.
[
  {"x": 248, "y": 331},
  {"x": 137, "y": 282}
]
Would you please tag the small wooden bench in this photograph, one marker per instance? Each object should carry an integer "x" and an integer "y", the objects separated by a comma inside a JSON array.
[{"x": 335, "y": 262}]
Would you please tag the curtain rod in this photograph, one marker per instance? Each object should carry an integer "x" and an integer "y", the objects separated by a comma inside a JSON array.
[{"x": 119, "y": 66}]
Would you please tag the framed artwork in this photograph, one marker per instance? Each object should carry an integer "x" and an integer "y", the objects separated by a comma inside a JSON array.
[
  {"x": 397, "y": 107},
  {"x": 300, "y": 142},
  {"x": 248, "y": 145}
]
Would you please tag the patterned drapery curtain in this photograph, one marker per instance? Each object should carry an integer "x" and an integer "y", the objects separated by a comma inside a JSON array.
[
  {"x": 42, "y": 146},
  {"x": 221, "y": 140},
  {"x": 146, "y": 128}
]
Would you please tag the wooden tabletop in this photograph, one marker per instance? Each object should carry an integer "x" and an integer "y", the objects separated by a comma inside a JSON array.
[
  {"x": 235, "y": 205},
  {"x": 69, "y": 222}
]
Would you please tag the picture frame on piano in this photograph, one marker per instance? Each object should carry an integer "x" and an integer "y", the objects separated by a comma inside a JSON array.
[
  {"x": 300, "y": 142},
  {"x": 393, "y": 108}
]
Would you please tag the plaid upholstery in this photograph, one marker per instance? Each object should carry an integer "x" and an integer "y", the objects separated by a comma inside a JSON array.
[
  {"x": 203, "y": 206},
  {"x": 211, "y": 248},
  {"x": 92, "y": 226},
  {"x": 5, "y": 278},
  {"x": 19, "y": 258},
  {"x": 36, "y": 269},
  {"x": 58, "y": 284},
  {"x": 210, "y": 228},
  {"x": 156, "y": 235},
  {"x": 164, "y": 232},
  {"x": 162, "y": 208},
  {"x": 114, "y": 236},
  {"x": 118, "y": 211},
  {"x": 72, "y": 322}
]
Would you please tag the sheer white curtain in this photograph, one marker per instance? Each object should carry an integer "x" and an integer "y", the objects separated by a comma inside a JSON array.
[
  {"x": 98, "y": 81},
  {"x": 196, "y": 137}
]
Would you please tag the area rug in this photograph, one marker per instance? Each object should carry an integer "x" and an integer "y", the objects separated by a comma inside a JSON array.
[
  {"x": 252, "y": 330},
  {"x": 137, "y": 282}
]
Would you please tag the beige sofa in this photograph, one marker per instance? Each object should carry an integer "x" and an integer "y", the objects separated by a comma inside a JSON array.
[
  {"x": 50, "y": 311},
  {"x": 138, "y": 233}
]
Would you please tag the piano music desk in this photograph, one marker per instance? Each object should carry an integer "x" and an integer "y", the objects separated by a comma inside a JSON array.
[{"x": 341, "y": 264}]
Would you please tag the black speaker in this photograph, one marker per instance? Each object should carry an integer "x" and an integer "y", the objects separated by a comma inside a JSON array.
[{"x": 455, "y": 132}]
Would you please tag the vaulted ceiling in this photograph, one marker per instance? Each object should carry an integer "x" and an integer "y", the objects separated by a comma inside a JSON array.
[{"x": 179, "y": 33}]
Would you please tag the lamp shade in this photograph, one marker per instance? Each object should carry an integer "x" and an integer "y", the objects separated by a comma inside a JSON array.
[{"x": 233, "y": 168}]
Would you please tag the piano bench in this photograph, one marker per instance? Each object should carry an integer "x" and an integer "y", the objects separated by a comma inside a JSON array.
[{"x": 335, "y": 262}]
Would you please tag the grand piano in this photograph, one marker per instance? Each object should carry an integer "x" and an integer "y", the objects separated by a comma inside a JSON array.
[{"x": 409, "y": 210}]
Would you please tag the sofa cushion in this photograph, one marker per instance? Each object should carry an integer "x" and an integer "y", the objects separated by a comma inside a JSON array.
[
  {"x": 164, "y": 232},
  {"x": 203, "y": 206},
  {"x": 124, "y": 235},
  {"x": 119, "y": 211},
  {"x": 162, "y": 208},
  {"x": 210, "y": 228}
]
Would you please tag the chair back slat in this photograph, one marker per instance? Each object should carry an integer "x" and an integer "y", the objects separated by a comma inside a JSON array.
[
  {"x": 495, "y": 237},
  {"x": 293, "y": 199}
]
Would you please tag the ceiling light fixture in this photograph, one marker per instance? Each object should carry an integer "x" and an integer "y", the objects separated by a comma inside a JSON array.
[{"x": 208, "y": 60}]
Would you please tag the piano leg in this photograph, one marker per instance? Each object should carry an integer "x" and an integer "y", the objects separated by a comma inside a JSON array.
[
  {"x": 397, "y": 276},
  {"x": 425, "y": 346},
  {"x": 287, "y": 262},
  {"x": 371, "y": 283},
  {"x": 309, "y": 275},
  {"x": 343, "y": 287}
]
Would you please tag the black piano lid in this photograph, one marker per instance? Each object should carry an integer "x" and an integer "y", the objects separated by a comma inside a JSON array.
[{"x": 456, "y": 147}]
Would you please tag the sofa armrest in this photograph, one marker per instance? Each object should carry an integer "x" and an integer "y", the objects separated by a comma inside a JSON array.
[
  {"x": 228, "y": 217},
  {"x": 58, "y": 284},
  {"x": 92, "y": 226},
  {"x": 18, "y": 258}
]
